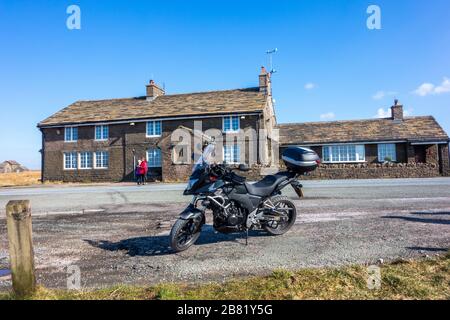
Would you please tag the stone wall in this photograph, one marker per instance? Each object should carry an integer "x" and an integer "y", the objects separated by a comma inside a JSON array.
[
  {"x": 374, "y": 171},
  {"x": 355, "y": 171},
  {"x": 55, "y": 147}
]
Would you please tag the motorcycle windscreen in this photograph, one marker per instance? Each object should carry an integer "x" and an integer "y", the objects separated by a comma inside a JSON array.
[{"x": 206, "y": 158}]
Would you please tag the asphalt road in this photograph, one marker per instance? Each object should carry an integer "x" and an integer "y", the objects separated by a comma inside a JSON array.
[
  {"x": 66, "y": 198},
  {"x": 122, "y": 234}
]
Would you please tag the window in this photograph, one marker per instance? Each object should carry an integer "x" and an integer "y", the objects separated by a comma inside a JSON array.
[
  {"x": 154, "y": 157},
  {"x": 70, "y": 161},
  {"x": 231, "y": 153},
  {"x": 343, "y": 153},
  {"x": 101, "y": 132},
  {"x": 387, "y": 152},
  {"x": 71, "y": 134},
  {"x": 101, "y": 160},
  {"x": 231, "y": 124},
  {"x": 85, "y": 160},
  {"x": 154, "y": 128}
]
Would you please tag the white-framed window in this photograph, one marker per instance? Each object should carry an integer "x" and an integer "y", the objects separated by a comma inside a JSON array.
[
  {"x": 343, "y": 153},
  {"x": 85, "y": 160},
  {"x": 70, "y": 134},
  {"x": 231, "y": 153},
  {"x": 101, "y": 132},
  {"x": 101, "y": 160},
  {"x": 70, "y": 160},
  {"x": 387, "y": 152},
  {"x": 231, "y": 124},
  {"x": 154, "y": 158},
  {"x": 154, "y": 128}
]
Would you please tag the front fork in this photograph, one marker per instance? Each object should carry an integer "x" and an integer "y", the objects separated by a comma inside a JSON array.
[{"x": 194, "y": 214}]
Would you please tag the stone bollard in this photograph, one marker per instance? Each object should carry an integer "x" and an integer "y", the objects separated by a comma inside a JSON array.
[{"x": 18, "y": 221}]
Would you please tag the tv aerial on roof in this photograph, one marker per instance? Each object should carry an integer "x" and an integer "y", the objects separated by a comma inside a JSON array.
[{"x": 270, "y": 53}]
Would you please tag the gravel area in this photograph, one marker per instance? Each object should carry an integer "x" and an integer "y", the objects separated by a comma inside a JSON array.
[{"x": 128, "y": 242}]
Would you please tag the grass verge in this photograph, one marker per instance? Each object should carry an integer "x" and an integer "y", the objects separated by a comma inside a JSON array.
[
  {"x": 14, "y": 179},
  {"x": 421, "y": 279}
]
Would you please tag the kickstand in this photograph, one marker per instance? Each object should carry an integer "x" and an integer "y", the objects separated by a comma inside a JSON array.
[{"x": 246, "y": 237}]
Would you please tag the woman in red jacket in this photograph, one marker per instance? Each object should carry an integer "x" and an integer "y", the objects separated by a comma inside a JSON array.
[
  {"x": 139, "y": 172},
  {"x": 144, "y": 170}
]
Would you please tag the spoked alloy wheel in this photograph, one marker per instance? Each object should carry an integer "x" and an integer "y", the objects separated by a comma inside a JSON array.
[
  {"x": 282, "y": 205},
  {"x": 184, "y": 234}
]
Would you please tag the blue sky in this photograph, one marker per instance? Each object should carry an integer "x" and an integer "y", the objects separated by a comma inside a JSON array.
[{"x": 330, "y": 65}]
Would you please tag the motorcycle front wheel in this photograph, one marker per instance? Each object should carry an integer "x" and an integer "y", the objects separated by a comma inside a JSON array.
[
  {"x": 282, "y": 204},
  {"x": 184, "y": 234}
]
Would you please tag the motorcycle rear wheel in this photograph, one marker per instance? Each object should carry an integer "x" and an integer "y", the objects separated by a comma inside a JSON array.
[
  {"x": 184, "y": 234},
  {"x": 282, "y": 202}
]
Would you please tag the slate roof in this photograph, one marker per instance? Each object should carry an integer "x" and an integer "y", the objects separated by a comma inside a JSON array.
[
  {"x": 191, "y": 104},
  {"x": 418, "y": 129}
]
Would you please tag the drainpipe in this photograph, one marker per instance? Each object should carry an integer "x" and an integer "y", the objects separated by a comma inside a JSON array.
[
  {"x": 134, "y": 164},
  {"x": 438, "y": 159},
  {"x": 257, "y": 139},
  {"x": 42, "y": 155}
]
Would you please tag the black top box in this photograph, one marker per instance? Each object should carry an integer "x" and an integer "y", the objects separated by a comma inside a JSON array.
[{"x": 300, "y": 160}]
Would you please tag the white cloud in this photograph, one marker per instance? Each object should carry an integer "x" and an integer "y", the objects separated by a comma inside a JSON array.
[
  {"x": 425, "y": 89},
  {"x": 383, "y": 114},
  {"x": 444, "y": 87},
  {"x": 310, "y": 86},
  {"x": 381, "y": 94},
  {"x": 327, "y": 116},
  {"x": 431, "y": 89}
]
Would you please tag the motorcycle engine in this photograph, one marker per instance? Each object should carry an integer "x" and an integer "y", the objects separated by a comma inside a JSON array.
[{"x": 230, "y": 219}]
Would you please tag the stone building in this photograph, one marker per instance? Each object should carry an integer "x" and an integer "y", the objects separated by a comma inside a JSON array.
[
  {"x": 101, "y": 140},
  {"x": 10, "y": 166},
  {"x": 395, "y": 147}
]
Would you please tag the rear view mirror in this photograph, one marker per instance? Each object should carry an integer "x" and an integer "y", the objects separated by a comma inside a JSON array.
[{"x": 243, "y": 167}]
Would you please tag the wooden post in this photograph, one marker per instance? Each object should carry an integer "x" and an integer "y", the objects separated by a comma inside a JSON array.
[{"x": 18, "y": 221}]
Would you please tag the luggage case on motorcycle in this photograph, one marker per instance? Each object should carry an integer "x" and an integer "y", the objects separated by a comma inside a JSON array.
[{"x": 300, "y": 160}]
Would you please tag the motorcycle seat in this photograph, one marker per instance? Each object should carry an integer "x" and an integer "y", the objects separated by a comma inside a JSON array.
[{"x": 267, "y": 185}]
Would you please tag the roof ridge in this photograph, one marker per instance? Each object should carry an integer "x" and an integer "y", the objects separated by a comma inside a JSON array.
[
  {"x": 168, "y": 95},
  {"x": 346, "y": 121},
  {"x": 212, "y": 91}
]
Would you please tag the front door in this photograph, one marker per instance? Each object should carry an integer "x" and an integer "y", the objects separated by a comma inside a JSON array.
[{"x": 420, "y": 154}]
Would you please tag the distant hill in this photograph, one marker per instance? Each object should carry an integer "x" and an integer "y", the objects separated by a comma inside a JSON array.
[{"x": 9, "y": 166}]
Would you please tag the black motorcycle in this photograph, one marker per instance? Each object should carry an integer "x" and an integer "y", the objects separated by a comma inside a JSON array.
[{"x": 236, "y": 205}]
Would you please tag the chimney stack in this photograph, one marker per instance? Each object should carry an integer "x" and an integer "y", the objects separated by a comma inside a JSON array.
[
  {"x": 397, "y": 111},
  {"x": 153, "y": 91},
  {"x": 264, "y": 81}
]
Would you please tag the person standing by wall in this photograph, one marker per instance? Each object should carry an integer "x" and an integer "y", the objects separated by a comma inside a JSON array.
[
  {"x": 139, "y": 172},
  {"x": 144, "y": 167}
]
